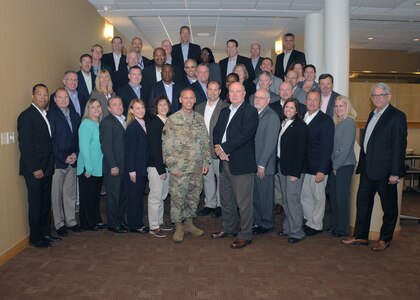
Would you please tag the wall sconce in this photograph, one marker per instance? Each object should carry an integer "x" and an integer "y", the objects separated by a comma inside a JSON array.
[
  {"x": 109, "y": 31},
  {"x": 278, "y": 48}
]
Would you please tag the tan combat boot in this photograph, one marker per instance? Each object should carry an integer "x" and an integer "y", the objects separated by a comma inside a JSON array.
[
  {"x": 179, "y": 233},
  {"x": 190, "y": 227}
]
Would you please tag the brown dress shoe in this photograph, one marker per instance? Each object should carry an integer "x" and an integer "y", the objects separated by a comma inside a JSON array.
[
  {"x": 238, "y": 244},
  {"x": 353, "y": 241},
  {"x": 380, "y": 245}
]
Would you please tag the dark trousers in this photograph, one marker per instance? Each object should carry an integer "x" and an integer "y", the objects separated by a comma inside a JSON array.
[
  {"x": 89, "y": 198},
  {"x": 39, "y": 208},
  {"x": 340, "y": 198},
  {"x": 365, "y": 200},
  {"x": 236, "y": 193},
  {"x": 116, "y": 204},
  {"x": 135, "y": 192}
]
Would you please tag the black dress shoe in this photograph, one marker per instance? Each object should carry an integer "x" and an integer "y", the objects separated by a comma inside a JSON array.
[
  {"x": 42, "y": 244},
  {"x": 293, "y": 240},
  {"x": 205, "y": 211},
  {"x": 96, "y": 228},
  {"x": 117, "y": 229},
  {"x": 311, "y": 232},
  {"x": 124, "y": 226},
  {"x": 335, "y": 234},
  {"x": 282, "y": 233},
  {"x": 143, "y": 229},
  {"x": 222, "y": 235},
  {"x": 217, "y": 212},
  {"x": 305, "y": 228},
  {"x": 101, "y": 225},
  {"x": 62, "y": 231},
  {"x": 75, "y": 228},
  {"x": 51, "y": 239},
  {"x": 260, "y": 230}
]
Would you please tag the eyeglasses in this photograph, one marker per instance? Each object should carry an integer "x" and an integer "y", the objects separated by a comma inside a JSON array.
[{"x": 375, "y": 96}]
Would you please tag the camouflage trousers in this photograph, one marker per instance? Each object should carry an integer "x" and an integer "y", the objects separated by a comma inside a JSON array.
[{"x": 185, "y": 196}]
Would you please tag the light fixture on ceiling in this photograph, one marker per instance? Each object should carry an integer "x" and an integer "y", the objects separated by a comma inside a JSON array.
[
  {"x": 417, "y": 3},
  {"x": 106, "y": 7},
  {"x": 109, "y": 31},
  {"x": 370, "y": 38},
  {"x": 203, "y": 34},
  {"x": 416, "y": 39},
  {"x": 278, "y": 47}
]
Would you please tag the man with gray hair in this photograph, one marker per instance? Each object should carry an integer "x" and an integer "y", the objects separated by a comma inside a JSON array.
[{"x": 381, "y": 164}]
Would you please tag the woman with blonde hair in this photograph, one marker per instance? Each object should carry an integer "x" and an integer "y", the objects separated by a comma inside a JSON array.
[
  {"x": 89, "y": 167},
  {"x": 103, "y": 90},
  {"x": 136, "y": 152},
  {"x": 344, "y": 160}
]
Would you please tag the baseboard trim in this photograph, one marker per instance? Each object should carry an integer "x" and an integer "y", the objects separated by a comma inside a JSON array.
[{"x": 15, "y": 250}]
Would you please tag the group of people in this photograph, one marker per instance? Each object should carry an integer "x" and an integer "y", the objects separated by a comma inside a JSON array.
[{"x": 250, "y": 140}]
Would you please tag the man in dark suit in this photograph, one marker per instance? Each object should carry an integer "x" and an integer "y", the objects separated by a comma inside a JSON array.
[
  {"x": 184, "y": 50},
  {"x": 255, "y": 58},
  {"x": 122, "y": 74},
  {"x": 78, "y": 101},
  {"x": 328, "y": 96},
  {"x": 165, "y": 87},
  {"x": 211, "y": 111},
  {"x": 136, "y": 46},
  {"x": 227, "y": 64},
  {"x": 85, "y": 76},
  {"x": 64, "y": 128},
  {"x": 233, "y": 138},
  {"x": 115, "y": 60},
  {"x": 320, "y": 145},
  {"x": 37, "y": 166},
  {"x": 111, "y": 130},
  {"x": 266, "y": 156},
  {"x": 97, "y": 65},
  {"x": 200, "y": 85},
  {"x": 133, "y": 89},
  {"x": 381, "y": 164},
  {"x": 288, "y": 56}
]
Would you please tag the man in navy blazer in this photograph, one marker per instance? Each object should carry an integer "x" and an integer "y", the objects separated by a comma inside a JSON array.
[
  {"x": 289, "y": 54},
  {"x": 36, "y": 165},
  {"x": 200, "y": 85},
  {"x": 255, "y": 58},
  {"x": 381, "y": 164},
  {"x": 133, "y": 89},
  {"x": 86, "y": 77},
  {"x": 328, "y": 96},
  {"x": 320, "y": 145},
  {"x": 165, "y": 87},
  {"x": 184, "y": 50},
  {"x": 64, "y": 124},
  {"x": 234, "y": 144}
]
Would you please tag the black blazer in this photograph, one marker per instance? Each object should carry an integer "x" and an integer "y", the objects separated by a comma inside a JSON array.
[
  {"x": 294, "y": 56},
  {"x": 331, "y": 104},
  {"x": 276, "y": 106},
  {"x": 111, "y": 135},
  {"x": 257, "y": 69},
  {"x": 35, "y": 143},
  {"x": 293, "y": 145},
  {"x": 194, "y": 52},
  {"x": 154, "y": 137},
  {"x": 200, "y": 95},
  {"x": 385, "y": 155},
  {"x": 82, "y": 100},
  {"x": 149, "y": 76},
  {"x": 320, "y": 144},
  {"x": 240, "y": 60},
  {"x": 108, "y": 59},
  {"x": 82, "y": 86},
  {"x": 127, "y": 94},
  {"x": 157, "y": 90},
  {"x": 240, "y": 138},
  {"x": 65, "y": 140},
  {"x": 136, "y": 149}
]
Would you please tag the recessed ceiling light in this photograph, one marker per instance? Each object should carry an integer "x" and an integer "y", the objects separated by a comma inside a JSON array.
[
  {"x": 370, "y": 38},
  {"x": 417, "y": 3},
  {"x": 416, "y": 39},
  {"x": 203, "y": 34}
]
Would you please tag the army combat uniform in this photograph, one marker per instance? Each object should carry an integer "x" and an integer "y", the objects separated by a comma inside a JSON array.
[{"x": 185, "y": 148}]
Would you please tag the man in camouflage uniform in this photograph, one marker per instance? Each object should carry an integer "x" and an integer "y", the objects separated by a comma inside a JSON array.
[{"x": 186, "y": 153}]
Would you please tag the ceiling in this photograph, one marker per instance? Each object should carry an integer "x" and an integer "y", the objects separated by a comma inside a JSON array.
[{"x": 393, "y": 24}]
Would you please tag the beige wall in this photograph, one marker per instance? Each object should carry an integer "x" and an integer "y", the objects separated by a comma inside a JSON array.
[{"x": 40, "y": 40}]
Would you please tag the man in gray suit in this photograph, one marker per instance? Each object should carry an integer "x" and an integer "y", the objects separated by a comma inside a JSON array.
[
  {"x": 267, "y": 65},
  {"x": 298, "y": 93},
  {"x": 264, "y": 83},
  {"x": 326, "y": 85},
  {"x": 265, "y": 154},
  {"x": 210, "y": 111},
  {"x": 111, "y": 130}
]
